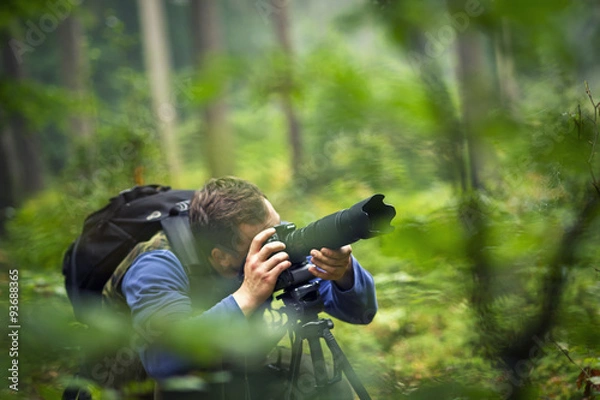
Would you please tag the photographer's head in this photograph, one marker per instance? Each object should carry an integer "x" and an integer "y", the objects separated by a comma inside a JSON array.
[{"x": 225, "y": 215}]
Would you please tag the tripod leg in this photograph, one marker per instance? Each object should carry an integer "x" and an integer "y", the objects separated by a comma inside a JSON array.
[
  {"x": 318, "y": 361},
  {"x": 339, "y": 358},
  {"x": 295, "y": 366}
]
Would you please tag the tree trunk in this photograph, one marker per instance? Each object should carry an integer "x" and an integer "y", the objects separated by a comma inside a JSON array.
[
  {"x": 9, "y": 174},
  {"x": 11, "y": 179},
  {"x": 281, "y": 20},
  {"x": 452, "y": 145},
  {"x": 505, "y": 67},
  {"x": 472, "y": 90},
  {"x": 75, "y": 73},
  {"x": 218, "y": 143},
  {"x": 158, "y": 66},
  {"x": 27, "y": 164}
]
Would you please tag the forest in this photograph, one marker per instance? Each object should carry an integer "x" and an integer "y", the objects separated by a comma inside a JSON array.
[{"x": 477, "y": 119}]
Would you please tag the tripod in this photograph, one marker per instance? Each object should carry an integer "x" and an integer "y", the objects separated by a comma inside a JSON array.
[{"x": 302, "y": 305}]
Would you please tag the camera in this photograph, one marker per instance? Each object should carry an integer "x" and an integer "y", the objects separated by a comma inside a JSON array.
[{"x": 366, "y": 219}]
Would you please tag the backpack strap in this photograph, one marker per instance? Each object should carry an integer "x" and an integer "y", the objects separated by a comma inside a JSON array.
[
  {"x": 177, "y": 228},
  {"x": 128, "y": 195},
  {"x": 74, "y": 295}
]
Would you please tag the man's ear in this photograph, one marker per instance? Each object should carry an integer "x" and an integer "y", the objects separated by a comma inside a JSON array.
[{"x": 219, "y": 256}]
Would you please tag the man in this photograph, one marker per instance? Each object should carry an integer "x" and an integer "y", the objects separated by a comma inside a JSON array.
[{"x": 231, "y": 220}]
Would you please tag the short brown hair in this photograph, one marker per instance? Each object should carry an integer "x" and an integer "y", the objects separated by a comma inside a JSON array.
[{"x": 220, "y": 206}]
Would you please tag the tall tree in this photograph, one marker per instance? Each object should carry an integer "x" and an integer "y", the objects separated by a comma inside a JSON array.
[
  {"x": 286, "y": 83},
  {"x": 219, "y": 147},
  {"x": 9, "y": 166},
  {"x": 505, "y": 65},
  {"x": 9, "y": 171},
  {"x": 75, "y": 72},
  {"x": 158, "y": 66},
  {"x": 27, "y": 167}
]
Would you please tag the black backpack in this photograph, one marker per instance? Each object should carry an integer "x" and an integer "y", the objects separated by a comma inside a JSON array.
[{"x": 109, "y": 234}]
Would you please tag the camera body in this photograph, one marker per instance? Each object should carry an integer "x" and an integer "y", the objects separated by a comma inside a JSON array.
[
  {"x": 298, "y": 273},
  {"x": 281, "y": 232}
]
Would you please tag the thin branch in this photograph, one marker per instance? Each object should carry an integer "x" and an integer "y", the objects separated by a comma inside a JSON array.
[
  {"x": 570, "y": 359},
  {"x": 596, "y": 134},
  {"x": 579, "y": 121},
  {"x": 589, "y": 93},
  {"x": 595, "y": 106}
]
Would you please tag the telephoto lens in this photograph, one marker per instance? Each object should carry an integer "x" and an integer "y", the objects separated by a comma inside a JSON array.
[{"x": 364, "y": 220}]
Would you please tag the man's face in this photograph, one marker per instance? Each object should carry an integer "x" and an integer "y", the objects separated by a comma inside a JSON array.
[{"x": 229, "y": 263}]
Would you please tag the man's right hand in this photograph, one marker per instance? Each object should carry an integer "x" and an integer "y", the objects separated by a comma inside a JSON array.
[{"x": 264, "y": 264}]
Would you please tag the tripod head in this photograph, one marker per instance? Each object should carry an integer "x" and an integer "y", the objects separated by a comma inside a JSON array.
[{"x": 302, "y": 300}]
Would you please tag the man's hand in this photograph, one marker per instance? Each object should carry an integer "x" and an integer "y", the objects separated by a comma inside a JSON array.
[
  {"x": 334, "y": 265},
  {"x": 263, "y": 266}
]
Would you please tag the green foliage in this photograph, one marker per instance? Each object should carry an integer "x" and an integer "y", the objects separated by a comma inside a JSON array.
[
  {"x": 370, "y": 123},
  {"x": 123, "y": 151},
  {"x": 352, "y": 132},
  {"x": 15, "y": 8},
  {"x": 36, "y": 241},
  {"x": 39, "y": 105}
]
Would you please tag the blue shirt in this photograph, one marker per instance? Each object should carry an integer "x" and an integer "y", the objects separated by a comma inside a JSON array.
[{"x": 157, "y": 284}]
